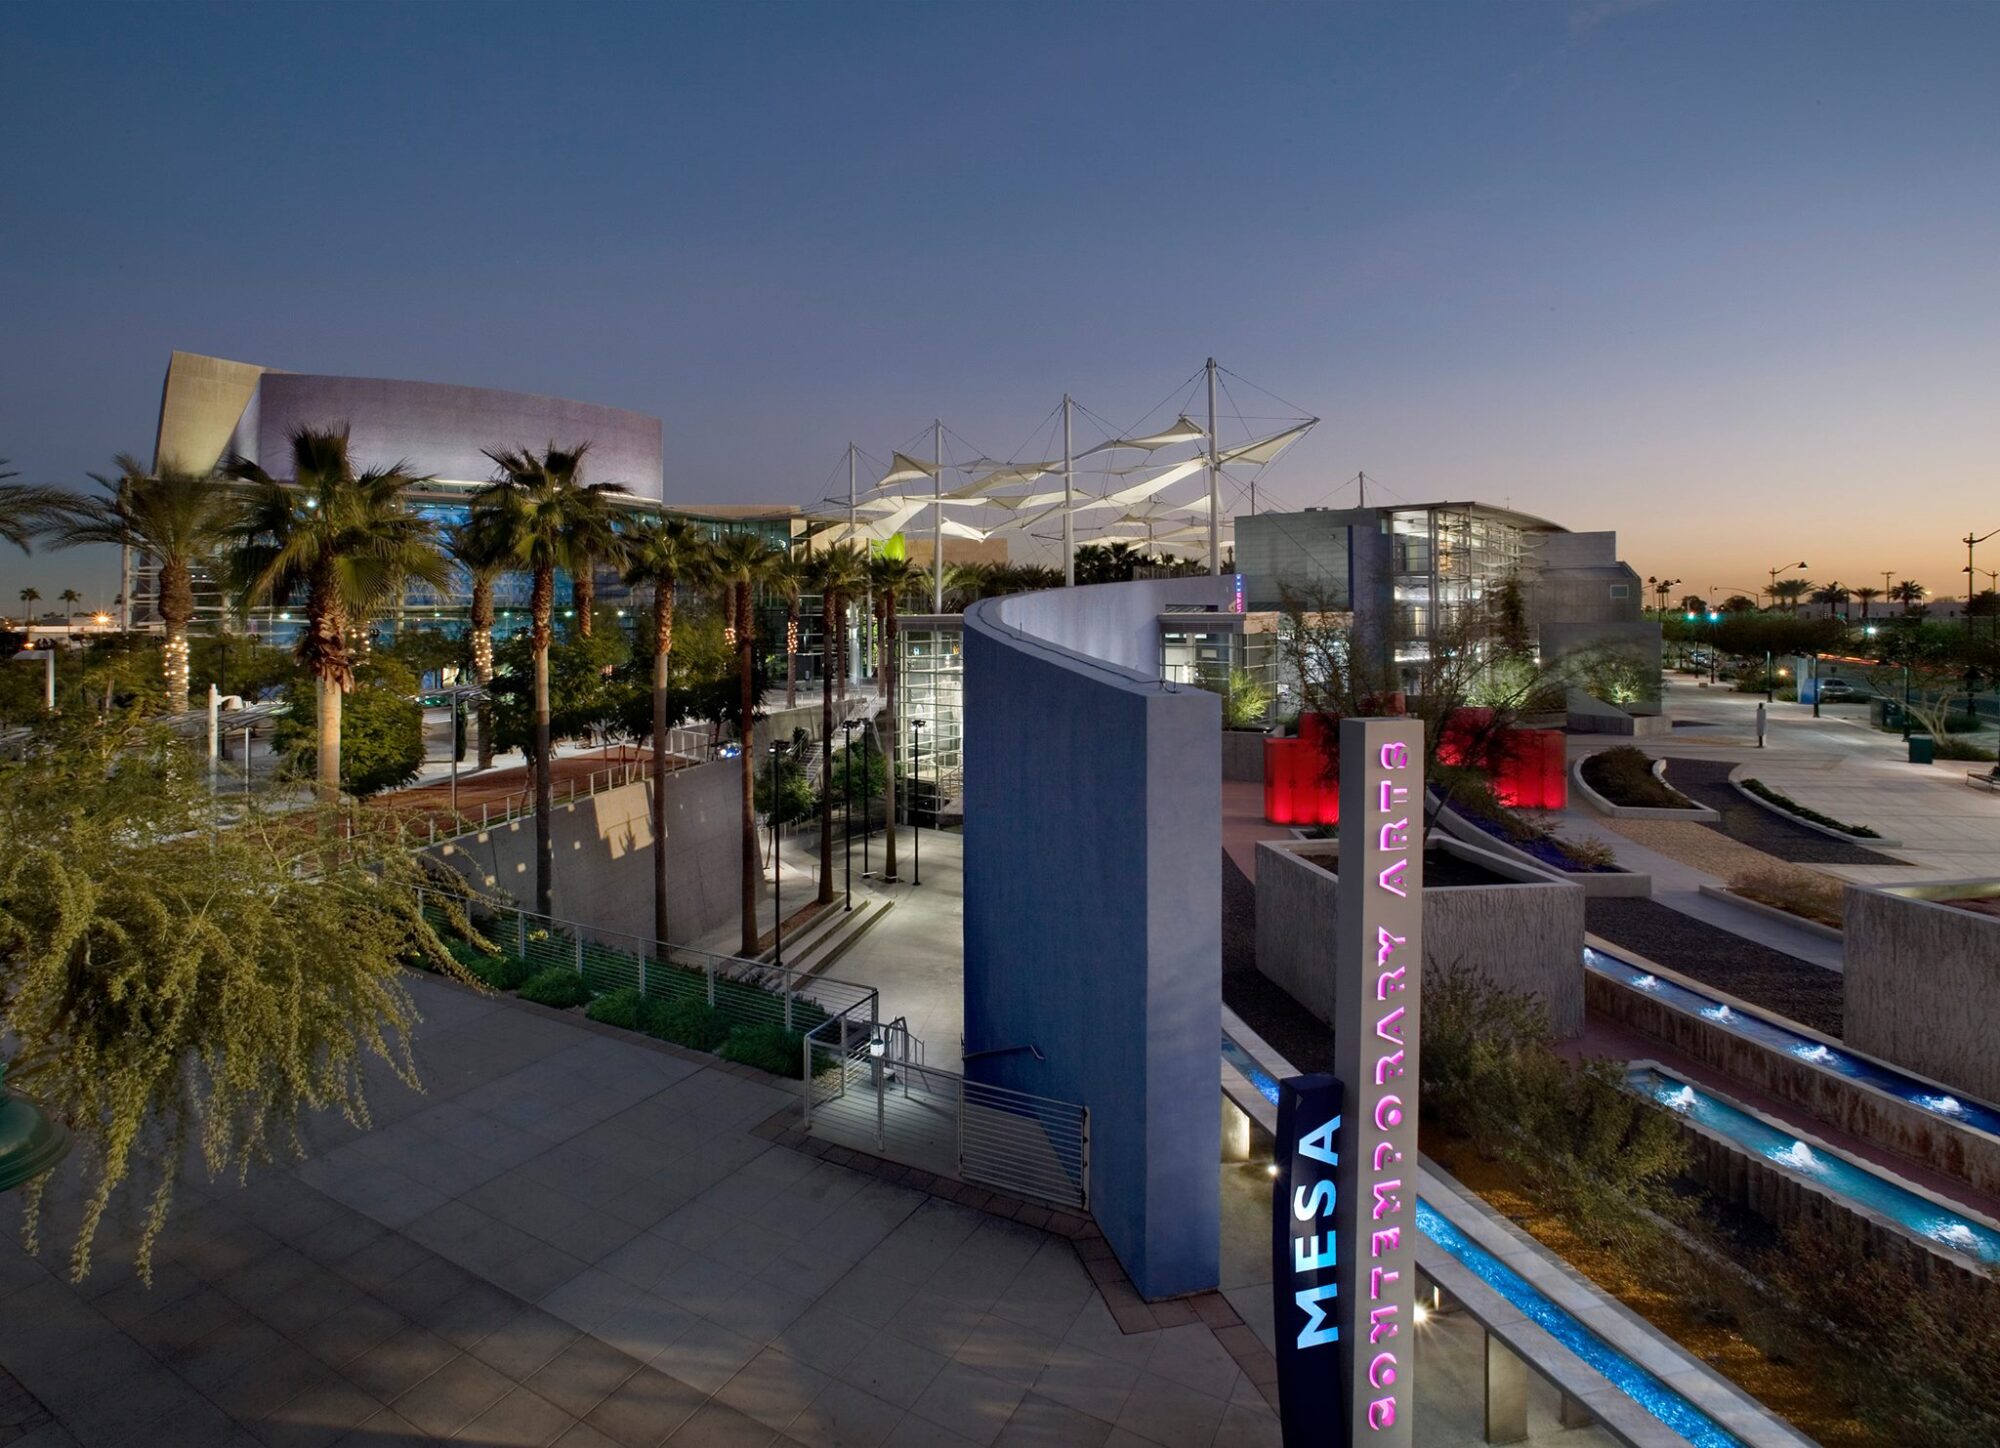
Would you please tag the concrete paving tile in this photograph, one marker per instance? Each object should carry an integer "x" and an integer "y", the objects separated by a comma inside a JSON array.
[
  {"x": 1251, "y": 1425},
  {"x": 591, "y": 1297},
  {"x": 760, "y": 1311},
  {"x": 716, "y": 1425},
  {"x": 647, "y": 1329},
  {"x": 453, "y": 1396},
  {"x": 387, "y": 1429},
  {"x": 472, "y": 1315},
  {"x": 706, "y": 1355},
  {"x": 525, "y": 1343},
  {"x": 1169, "y": 1414},
  {"x": 935, "y": 1321},
  {"x": 892, "y": 1368},
  {"x": 843, "y": 1416},
  {"x": 266, "y": 1383},
  {"x": 318, "y": 1417},
  {"x": 584, "y": 1436},
  {"x": 1007, "y": 1350},
  {"x": 537, "y": 1270},
  {"x": 645, "y": 1409},
  {"x": 1192, "y": 1357},
  {"x": 773, "y": 1387},
  {"x": 1086, "y": 1381},
  {"x": 915, "y": 1432},
  {"x": 824, "y": 1337},
  {"x": 1044, "y": 1423},
  {"x": 397, "y": 1364},
  {"x": 519, "y": 1420},
  {"x": 583, "y": 1375},
  {"x": 971, "y": 1403}
]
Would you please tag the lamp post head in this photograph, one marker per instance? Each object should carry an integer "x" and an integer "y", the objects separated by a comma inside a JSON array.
[{"x": 877, "y": 1047}]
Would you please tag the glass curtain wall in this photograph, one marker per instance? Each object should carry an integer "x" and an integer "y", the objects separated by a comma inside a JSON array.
[{"x": 930, "y": 686}]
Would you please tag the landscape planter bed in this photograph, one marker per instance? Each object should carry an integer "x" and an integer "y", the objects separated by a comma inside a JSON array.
[
  {"x": 1738, "y": 782},
  {"x": 1595, "y": 883},
  {"x": 1690, "y": 812},
  {"x": 1773, "y": 912}
]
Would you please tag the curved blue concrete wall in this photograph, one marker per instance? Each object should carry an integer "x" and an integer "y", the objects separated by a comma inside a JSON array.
[
  {"x": 1093, "y": 902},
  {"x": 440, "y": 429}
]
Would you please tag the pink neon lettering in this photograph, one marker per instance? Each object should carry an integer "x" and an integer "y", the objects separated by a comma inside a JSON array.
[
  {"x": 1385, "y": 1239},
  {"x": 1394, "y": 1155},
  {"x": 1385, "y": 946},
  {"x": 1388, "y": 1198},
  {"x": 1396, "y": 834},
  {"x": 1392, "y": 796},
  {"x": 1377, "y": 1278},
  {"x": 1387, "y": 1066},
  {"x": 1389, "y": 1112},
  {"x": 1379, "y": 1324},
  {"x": 1392, "y": 1019},
  {"x": 1390, "y": 980},
  {"x": 1382, "y": 1414},
  {"x": 1382, "y": 1372},
  {"x": 1395, "y": 756},
  {"x": 1391, "y": 879}
]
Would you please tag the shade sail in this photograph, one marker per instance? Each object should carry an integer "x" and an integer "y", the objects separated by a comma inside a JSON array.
[
  {"x": 1265, "y": 449},
  {"x": 905, "y": 469}
]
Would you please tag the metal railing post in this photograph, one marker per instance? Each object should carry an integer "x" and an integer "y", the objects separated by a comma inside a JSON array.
[
  {"x": 1084, "y": 1184},
  {"x": 958, "y": 1123},
  {"x": 788, "y": 997},
  {"x": 710, "y": 969},
  {"x": 579, "y": 955},
  {"x": 520, "y": 935}
]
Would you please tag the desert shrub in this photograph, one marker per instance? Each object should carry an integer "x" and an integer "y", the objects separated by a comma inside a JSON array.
[
  {"x": 1946, "y": 747},
  {"x": 767, "y": 1047},
  {"x": 1789, "y": 805},
  {"x": 1588, "y": 852},
  {"x": 622, "y": 1008},
  {"x": 1805, "y": 893},
  {"x": 498, "y": 970},
  {"x": 1624, "y": 775},
  {"x": 558, "y": 987},
  {"x": 1473, "y": 1031},
  {"x": 1932, "y": 1378}
]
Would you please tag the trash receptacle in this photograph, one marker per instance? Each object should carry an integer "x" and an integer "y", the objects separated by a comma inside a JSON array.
[{"x": 1923, "y": 749}]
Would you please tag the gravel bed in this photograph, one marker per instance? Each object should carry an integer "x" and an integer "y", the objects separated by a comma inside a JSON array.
[
  {"x": 1272, "y": 1014},
  {"x": 1796, "y": 989},
  {"x": 1706, "y": 781}
]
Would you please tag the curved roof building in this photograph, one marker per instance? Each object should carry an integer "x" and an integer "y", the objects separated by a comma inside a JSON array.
[{"x": 211, "y": 407}]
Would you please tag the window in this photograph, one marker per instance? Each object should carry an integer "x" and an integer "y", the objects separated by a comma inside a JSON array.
[{"x": 1620, "y": 590}]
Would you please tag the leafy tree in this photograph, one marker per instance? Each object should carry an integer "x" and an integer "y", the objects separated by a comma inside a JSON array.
[
  {"x": 1246, "y": 699},
  {"x": 1695, "y": 604},
  {"x": 1738, "y": 603},
  {"x": 662, "y": 554},
  {"x": 239, "y": 664},
  {"x": 585, "y": 693},
  {"x": 795, "y": 798},
  {"x": 348, "y": 541},
  {"x": 382, "y": 729},
  {"x": 740, "y": 562},
  {"x": 542, "y": 516},
  {"x": 179, "y": 518},
  {"x": 175, "y": 991}
]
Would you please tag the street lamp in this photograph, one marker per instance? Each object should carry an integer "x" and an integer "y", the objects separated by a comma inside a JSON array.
[
  {"x": 916, "y": 824},
  {"x": 847, "y": 727},
  {"x": 1971, "y": 580},
  {"x": 1781, "y": 568}
]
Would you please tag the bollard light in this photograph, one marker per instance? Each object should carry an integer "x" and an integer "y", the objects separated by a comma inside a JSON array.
[{"x": 877, "y": 1047}]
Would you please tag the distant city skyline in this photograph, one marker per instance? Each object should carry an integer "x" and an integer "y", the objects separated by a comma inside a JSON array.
[{"x": 1716, "y": 276}]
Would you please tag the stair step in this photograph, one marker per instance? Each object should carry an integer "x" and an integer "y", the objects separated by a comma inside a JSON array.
[{"x": 848, "y": 938}]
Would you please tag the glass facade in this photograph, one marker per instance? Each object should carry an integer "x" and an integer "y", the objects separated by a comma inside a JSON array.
[{"x": 930, "y": 686}]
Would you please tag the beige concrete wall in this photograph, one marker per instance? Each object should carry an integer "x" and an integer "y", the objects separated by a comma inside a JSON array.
[
  {"x": 1526, "y": 936},
  {"x": 604, "y": 856},
  {"x": 1921, "y": 987},
  {"x": 200, "y": 404}
]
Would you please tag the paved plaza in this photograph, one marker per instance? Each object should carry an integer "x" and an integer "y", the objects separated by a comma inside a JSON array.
[{"x": 573, "y": 1237}]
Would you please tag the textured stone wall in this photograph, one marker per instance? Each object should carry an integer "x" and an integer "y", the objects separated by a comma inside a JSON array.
[
  {"x": 1525, "y": 936},
  {"x": 604, "y": 856},
  {"x": 1243, "y": 754},
  {"x": 1922, "y": 988}
]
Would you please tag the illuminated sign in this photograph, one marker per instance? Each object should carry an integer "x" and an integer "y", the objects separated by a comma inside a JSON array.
[
  {"x": 1306, "y": 1268},
  {"x": 1378, "y": 957}
]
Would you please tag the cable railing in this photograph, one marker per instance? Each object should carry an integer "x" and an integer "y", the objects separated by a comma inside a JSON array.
[{"x": 741, "y": 991}]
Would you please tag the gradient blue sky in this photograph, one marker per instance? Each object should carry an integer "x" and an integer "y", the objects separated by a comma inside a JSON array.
[{"x": 1721, "y": 276}]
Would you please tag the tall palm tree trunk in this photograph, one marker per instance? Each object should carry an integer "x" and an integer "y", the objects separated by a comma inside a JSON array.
[
  {"x": 663, "y": 647},
  {"x": 888, "y": 671},
  {"x": 176, "y": 607},
  {"x": 332, "y": 667},
  {"x": 329, "y": 740},
  {"x": 829, "y": 654},
  {"x": 542, "y": 604},
  {"x": 792, "y": 652},
  {"x": 748, "y": 734},
  {"x": 583, "y": 592},
  {"x": 482, "y": 663}
]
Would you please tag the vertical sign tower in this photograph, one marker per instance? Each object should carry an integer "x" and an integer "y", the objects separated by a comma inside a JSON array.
[{"x": 1377, "y": 996}]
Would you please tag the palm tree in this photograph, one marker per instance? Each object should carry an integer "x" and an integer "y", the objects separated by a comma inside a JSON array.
[
  {"x": 788, "y": 574},
  {"x": 29, "y": 598},
  {"x": 838, "y": 573},
  {"x": 1789, "y": 591},
  {"x": 349, "y": 541},
  {"x": 26, "y": 510},
  {"x": 70, "y": 599},
  {"x": 1866, "y": 596},
  {"x": 543, "y": 516},
  {"x": 1909, "y": 593},
  {"x": 180, "y": 519},
  {"x": 741, "y": 562},
  {"x": 1833, "y": 596},
  {"x": 662, "y": 554},
  {"x": 593, "y": 539},
  {"x": 891, "y": 578},
  {"x": 476, "y": 547}
]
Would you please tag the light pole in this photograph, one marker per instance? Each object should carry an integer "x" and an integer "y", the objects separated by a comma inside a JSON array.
[
  {"x": 847, "y": 805},
  {"x": 777, "y": 864},
  {"x": 916, "y": 824},
  {"x": 867, "y": 799},
  {"x": 1774, "y": 572},
  {"x": 1971, "y": 579}
]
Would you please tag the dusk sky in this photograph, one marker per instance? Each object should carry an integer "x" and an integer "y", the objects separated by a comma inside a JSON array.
[{"x": 1722, "y": 276}]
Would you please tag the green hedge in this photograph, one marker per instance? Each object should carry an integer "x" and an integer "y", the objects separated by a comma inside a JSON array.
[
  {"x": 1791, "y": 806},
  {"x": 559, "y": 988}
]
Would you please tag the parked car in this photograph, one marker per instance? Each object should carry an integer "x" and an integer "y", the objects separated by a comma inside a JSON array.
[{"x": 1842, "y": 691}]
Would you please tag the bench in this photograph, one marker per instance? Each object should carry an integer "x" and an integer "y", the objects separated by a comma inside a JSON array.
[{"x": 1989, "y": 781}]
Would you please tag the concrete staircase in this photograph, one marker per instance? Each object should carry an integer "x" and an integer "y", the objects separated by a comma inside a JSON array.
[{"x": 830, "y": 935}]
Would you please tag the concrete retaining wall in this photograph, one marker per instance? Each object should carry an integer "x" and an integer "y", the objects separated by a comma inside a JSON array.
[
  {"x": 1243, "y": 754},
  {"x": 1861, "y": 1110},
  {"x": 604, "y": 856},
  {"x": 1596, "y": 884},
  {"x": 1922, "y": 982},
  {"x": 1526, "y": 936},
  {"x": 1093, "y": 903}
]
